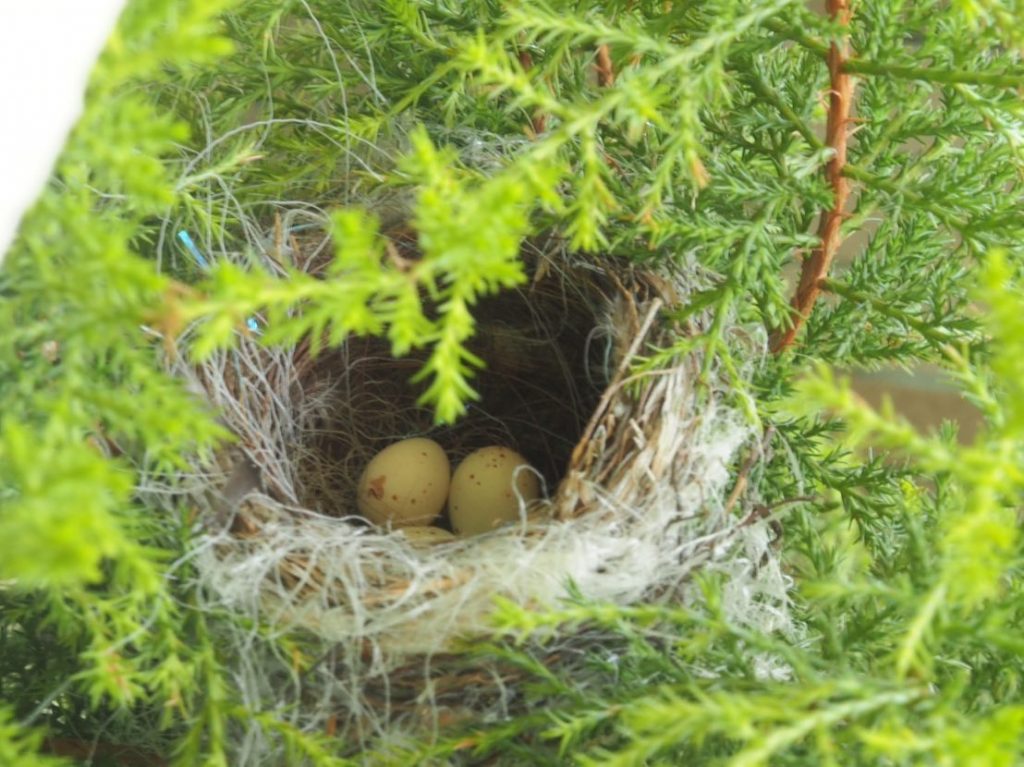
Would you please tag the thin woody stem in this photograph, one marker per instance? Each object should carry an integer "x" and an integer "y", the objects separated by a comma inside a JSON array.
[
  {"x": 605, "y": 69},
  {"x": 830, "y": 235},
  {"x": 743, "y": 476},
  {"x": 538, "y": 121}
]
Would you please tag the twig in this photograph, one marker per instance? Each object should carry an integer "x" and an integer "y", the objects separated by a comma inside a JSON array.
[
  {"x": 616, "y": 383},
  {"x": 817, "y": 266},
  {"x": 538, "y": 121},
  {"x": 605, "y": 69},
  {"x": 742, "y": 476}
]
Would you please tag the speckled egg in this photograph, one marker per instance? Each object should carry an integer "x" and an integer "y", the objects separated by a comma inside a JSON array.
[
  {"x": 486, "y": 488},
  {"x": 426, "y": 537},
  {"x": 405, "y": 484}
]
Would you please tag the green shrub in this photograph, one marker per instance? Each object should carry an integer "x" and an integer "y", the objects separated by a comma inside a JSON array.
[{"x": 659, "y": 132}]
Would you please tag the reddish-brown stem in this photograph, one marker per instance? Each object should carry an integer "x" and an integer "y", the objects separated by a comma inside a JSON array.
[
  {"x": 837, "y": 134},
  {"x": 525, "y": 60},
  {"x": 605, "y": 70}
]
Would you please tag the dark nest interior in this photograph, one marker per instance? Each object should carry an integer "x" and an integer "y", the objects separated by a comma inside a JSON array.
[{"x": 546, "y": 364}]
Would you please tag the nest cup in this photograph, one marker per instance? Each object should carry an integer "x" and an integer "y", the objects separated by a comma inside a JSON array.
[
  {"x": 635, "y": 469},
  {"x": 544, "y": 373}
]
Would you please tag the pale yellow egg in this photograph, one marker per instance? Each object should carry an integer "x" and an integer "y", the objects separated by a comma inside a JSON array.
[
  {"x": 405, "y": 484},
  {"x": 487, "y": 487},
  {"x": 425, "y": 537}
]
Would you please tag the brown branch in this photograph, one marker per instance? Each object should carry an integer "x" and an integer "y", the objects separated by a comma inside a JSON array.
[
  {"x": 743, "y": 475},
  {"x": 539, "y": 121},
  {"x": 817, "y": 266},
  {"x": 605, "y": 69}
]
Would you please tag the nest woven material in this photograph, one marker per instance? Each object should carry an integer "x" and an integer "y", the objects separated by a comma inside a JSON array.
[{"x": 636, "y": 470}]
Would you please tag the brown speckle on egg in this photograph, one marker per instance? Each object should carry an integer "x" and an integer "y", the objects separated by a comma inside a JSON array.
[
  {"x": 415, "y": 473},
  {"x": 486, "y": 489},
  {"x": 375, "y": 487}
]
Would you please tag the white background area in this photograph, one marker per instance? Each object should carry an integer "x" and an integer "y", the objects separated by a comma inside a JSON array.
[{"x": 47, "y": 48}]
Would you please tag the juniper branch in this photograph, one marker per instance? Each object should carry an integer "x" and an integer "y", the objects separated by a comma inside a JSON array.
[
  {"x": 830, "y": 229},
  {"x": 1005, "y": 79},
  {"x": 935, "y": 334}
]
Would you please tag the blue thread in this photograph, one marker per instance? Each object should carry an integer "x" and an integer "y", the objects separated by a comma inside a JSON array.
[
  {"x": 186, "y": 240},
  {"x": 191, "y": 246}
]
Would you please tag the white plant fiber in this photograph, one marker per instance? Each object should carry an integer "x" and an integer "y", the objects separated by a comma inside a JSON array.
[{"x": 644, "y": 507}]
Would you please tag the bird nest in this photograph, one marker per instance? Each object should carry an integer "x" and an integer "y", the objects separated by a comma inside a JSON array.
[{"x": 636, "y": 469}]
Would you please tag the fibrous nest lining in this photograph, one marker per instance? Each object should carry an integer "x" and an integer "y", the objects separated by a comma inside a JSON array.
[
  {"x": 545, "y": 369},
  {"x": 636, "y": 468}
]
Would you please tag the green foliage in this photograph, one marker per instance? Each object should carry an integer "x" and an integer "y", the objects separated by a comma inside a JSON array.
[
  {"x": 371, "y": 291},
  {"x": 20, "y": 747},
  {"x": 78, "y": 372},
  {"x": 83, "y": 576},
  {"x": 487, "y": 122},
  {"x": 40, "y": 497},
  {"x": 912, "y": 651},
  {"x": 91, "y": 627}
]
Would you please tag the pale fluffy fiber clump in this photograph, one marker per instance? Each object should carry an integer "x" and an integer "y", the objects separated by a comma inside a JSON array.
[{"x": 643, "y": 507}]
